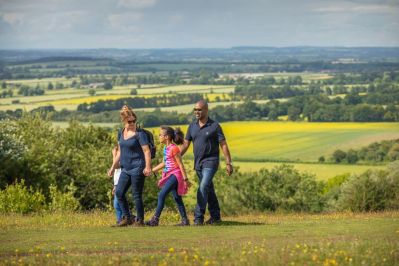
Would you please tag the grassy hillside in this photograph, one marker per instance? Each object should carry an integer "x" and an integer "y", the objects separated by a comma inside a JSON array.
[{"x": 300, "y": 140}]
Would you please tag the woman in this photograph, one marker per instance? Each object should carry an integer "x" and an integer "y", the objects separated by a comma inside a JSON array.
[{"x": 134, "y": 157}]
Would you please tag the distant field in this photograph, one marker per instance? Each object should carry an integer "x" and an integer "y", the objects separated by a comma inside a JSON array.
[
  {"x": 188, "y": 88},
  {"x": 306, "y": 77},
  {"x": 321, "y": 171},
  {"x": 300, "y": 141},
  {"x": 70, "y": 98}
]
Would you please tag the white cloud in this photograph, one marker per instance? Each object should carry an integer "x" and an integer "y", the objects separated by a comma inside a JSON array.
[
  {"x": 347, "y": 7},
  {"x": 13, "y": 18},
  {"x": 175, "y": 20},
  {"x": 136, "y": 4},
  {"x": 124, "y": 22}
]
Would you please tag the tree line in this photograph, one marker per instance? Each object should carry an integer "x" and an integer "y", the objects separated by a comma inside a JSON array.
[
  {"x": 140, "y": 102},
  {"x": 384, "y": 151}
]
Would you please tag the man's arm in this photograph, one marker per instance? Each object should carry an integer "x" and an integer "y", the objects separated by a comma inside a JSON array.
[
  {"x": 184, "y": 147},
  {"x": 227, "y": 157}
]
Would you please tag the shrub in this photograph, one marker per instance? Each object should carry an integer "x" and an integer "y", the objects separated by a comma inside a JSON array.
[
  {"x": 332, "y": 190},
  {"x": 18, "y": 198},
  {"x": 371, "y": 191},
  {"x": 63, "y": 201},
  {"x": 282, "y": 188}
]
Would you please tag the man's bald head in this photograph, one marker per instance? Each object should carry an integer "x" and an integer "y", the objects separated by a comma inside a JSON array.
[{"x": 202, "y": 104}]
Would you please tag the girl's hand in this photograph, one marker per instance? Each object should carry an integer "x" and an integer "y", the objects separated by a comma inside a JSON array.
[
  {"x": 113, "y": 191},
  {"x": 188, "y": 182}
]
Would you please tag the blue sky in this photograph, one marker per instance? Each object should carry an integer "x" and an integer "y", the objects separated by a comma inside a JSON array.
[{"x": 197, "y": 24}]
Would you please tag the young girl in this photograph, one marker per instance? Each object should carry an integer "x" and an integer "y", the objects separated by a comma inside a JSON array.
[
  {"x": 174, "y": 178},
  {"x": 117, "y": 173}
]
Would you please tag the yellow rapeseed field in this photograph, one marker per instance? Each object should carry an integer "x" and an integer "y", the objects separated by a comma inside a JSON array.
[{"x": 300, "y": 141}]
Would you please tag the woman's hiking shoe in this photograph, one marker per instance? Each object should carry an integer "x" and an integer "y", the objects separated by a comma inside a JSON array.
[
  {"x": 184, "y": 222},
  {"x": 212, "y": 221},
  {"x": 126, "y": 221},
  {"x": 153, "y": 222}
]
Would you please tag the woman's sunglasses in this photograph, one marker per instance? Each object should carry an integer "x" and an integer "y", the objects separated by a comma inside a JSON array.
[{"x": 131, "y": 121}]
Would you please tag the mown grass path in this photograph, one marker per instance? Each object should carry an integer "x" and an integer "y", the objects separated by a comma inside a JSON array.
[{"x": 264, "y": 239}]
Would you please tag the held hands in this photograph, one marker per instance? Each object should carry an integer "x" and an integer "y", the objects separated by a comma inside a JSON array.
[{"x": 147, "y": 171}]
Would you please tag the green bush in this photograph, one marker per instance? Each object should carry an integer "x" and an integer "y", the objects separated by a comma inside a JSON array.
[
  {"x": 282, "y": 188},
  {"x": 60, "y": 201},
  {"x": 371, "y": 191},
  {"x": 18, "y": 198},
  {"x": 332, "y": 191}
]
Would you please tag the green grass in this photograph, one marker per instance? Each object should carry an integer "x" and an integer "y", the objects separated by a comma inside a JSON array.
[{"x": 264, "y": 239}]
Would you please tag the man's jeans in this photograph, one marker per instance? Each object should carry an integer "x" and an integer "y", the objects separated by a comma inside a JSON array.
[
  {"x": 118, "y": 210},
  {"x": 170, "y": 186},
  {"x": 137, "y": 182},
  {"x": 206, "y": 195}
]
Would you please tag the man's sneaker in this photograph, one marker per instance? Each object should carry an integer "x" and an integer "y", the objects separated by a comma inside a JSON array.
[
  {"x": 125, "y": 221},
  {"x": 153, "y": 222},
  {"x": 184, "y": 222},
  {"x": 212, "y": 221}
]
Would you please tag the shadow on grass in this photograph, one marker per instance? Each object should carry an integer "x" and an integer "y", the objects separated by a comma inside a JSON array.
[{"x": 236, "y": 223}]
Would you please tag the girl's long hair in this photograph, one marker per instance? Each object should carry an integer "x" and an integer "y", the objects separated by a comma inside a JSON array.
[{"x": 176, "y": 135}]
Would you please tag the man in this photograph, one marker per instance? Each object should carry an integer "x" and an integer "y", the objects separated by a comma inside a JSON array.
[{"x": 206, "y": 135}]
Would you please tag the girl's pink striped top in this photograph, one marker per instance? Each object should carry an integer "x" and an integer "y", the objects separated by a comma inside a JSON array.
[{"x": 172, "y": 168}]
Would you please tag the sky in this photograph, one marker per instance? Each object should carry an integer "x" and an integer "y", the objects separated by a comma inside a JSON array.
[{"x": 74, "y": 24}]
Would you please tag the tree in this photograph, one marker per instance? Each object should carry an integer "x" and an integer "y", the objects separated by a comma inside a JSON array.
[
  {"x": 329, "y": 91},
  {"x": 59, "y": 86},
  {"x": 50, "y": 86},
  {"x": 338, "y": 156},
  {"x": 133, "y": 92},
  {"x": 108, "y": 85},
  {"x": 92, "y": 92},
  {"x": 351, "y": 156},
  {"x": 74, "y": 84},
  {"x": 293, "y": 113},
  {"x": 4, "y": 85}
]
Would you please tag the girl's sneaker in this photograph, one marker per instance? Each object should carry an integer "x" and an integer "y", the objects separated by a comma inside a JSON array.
[{"x": 153, "y": 222}]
